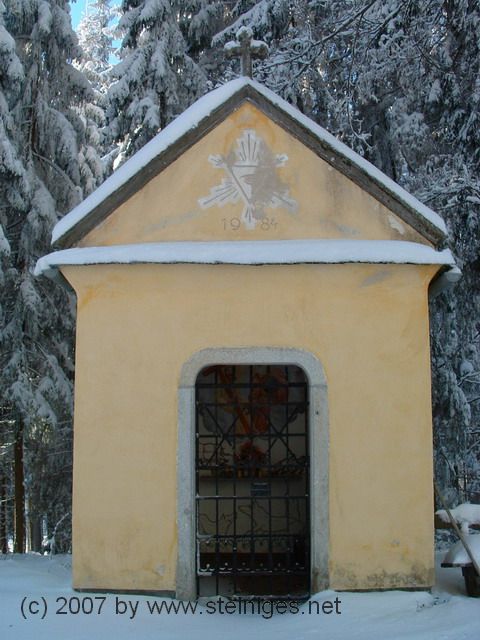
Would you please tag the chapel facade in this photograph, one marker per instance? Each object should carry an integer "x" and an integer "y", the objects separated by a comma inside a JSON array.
[{"x": 252, "y": 386}]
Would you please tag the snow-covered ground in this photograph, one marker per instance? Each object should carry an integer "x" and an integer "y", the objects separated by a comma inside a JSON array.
[{"x": 29, "y": 582}]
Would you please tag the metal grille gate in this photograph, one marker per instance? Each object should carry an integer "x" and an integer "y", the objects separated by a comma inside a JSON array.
[{"x": 252, "y": 481}]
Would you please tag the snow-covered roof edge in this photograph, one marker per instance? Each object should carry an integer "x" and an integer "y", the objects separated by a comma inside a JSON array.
[
  {"x": 204, "y": 115},
  {"x": 244, "y": 252}
]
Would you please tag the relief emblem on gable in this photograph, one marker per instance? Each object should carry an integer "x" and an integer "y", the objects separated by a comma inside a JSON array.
[{"x": 250, "y": 176}]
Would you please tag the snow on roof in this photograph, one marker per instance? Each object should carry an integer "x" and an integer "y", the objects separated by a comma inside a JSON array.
[
  {"x": 190, "y": 121},
  {"x": 246, "y": 252}
]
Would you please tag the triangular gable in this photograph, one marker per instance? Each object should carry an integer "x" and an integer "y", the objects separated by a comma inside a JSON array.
[{"x": 185, "y": 141}]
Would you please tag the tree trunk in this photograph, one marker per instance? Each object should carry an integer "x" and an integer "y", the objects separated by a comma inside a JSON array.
[
  {"x": 19, "y": 544},
  {"x": 35, "y": 534},
  {"x": 3, "y": 515}
]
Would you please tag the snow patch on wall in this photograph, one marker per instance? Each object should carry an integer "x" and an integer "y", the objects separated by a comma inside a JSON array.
[{"x": 396, "y": 224}]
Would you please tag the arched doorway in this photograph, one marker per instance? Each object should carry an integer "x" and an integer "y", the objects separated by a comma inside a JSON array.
[
  {"x": 317, "y": 441},
  {"x": 252, "y": 471}
]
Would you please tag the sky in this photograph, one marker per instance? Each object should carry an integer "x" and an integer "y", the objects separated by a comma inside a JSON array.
[{"x": 78, "y": 9}]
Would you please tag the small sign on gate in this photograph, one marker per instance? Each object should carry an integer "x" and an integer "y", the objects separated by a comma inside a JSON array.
[{"x": 259, "y": 490}]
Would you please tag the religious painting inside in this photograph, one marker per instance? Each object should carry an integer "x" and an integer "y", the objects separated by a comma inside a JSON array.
[{"x": 252, "y": 481}]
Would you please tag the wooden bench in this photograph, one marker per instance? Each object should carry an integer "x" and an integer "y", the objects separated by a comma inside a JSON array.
[{"x": 470, "y": 576}]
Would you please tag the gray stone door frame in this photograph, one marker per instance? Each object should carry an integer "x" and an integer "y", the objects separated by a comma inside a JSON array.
[{"x": 318, "y": 439}]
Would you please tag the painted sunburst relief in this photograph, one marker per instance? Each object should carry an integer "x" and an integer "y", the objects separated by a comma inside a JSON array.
[{"x": 251, "y": 176}]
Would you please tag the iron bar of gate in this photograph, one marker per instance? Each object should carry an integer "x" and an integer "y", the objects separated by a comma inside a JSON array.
[{"x": 282, "y": 559}]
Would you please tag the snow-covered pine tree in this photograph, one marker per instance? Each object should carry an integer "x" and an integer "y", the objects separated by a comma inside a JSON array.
[
  {"x": 399, "y": 82},
  {"x": 95, "y": 36},
  {"x": 407, "y": 97},
  {"x": 454, "y": 188},
  {"x": 310, "y": 43},
  {"x": 13, "y": 194},
  {"x": 280, "y": 23},
  {"x": 412, "y": 89},
  {"x": 199, "y": 20},
  {"x": 156, "y": 78},
  {"x": 52, "y": 174}
]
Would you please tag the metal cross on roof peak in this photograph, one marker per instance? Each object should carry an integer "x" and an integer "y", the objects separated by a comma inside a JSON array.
[{"x": 247, "y": 49}]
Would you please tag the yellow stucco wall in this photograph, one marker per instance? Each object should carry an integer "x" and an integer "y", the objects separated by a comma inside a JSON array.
[
  {"x": 329, "y": 205},
  {"x": 137, "y": 325}
]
